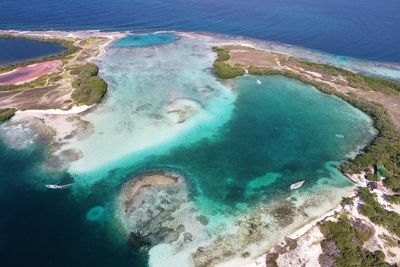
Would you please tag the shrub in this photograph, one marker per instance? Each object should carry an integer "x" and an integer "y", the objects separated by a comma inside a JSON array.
[
  {"x": 85, "y": 70},
  {"x": 227, "y": 71},
  {"x": 89, "y": 88},
  {"x": 372, "y": 177},
  {"x": 343, "y": 244},
  {"x": 224, "y": 70},
  {"x": 355, "y": 79},
  {"x": 395, "y": 199},
  {"x": 222, "y": 54},
  {"x": 377, "y": 214},
  {"x": 6, "y": 114}
]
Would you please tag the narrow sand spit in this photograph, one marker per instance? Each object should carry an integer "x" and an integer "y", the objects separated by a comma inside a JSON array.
[{"x": 63, "y": 122}]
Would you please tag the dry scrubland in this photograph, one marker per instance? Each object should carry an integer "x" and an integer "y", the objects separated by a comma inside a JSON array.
[{"x": 76, "y": 82}]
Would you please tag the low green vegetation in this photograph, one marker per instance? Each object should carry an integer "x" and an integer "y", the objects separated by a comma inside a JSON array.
[
  {"x": 85, "y": 70},
  {"x": 372, "y": 177},
  {"x": 6, "y": 114},
  {"x": 89, "y": 88},
  {"x": 346, "y": 201},
  {"x": 372, "y": 209},
  {"x": 224, "y": 70},
  {"x": 354, "y": 79},
  {"x": 44, "y": 80},
  {"x": 385, "y": 148},
  {"x": 222, "y": 54},
  {"x": 395, "y": 199},
  {"x": 344, "y": 241},
  {"x": 69, "y": 49},
  {"x": 389, "y": 241}
]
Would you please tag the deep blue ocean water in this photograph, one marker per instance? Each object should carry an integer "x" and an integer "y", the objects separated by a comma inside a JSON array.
[
  {"x": 40, "y": 227},
  {"x": 16, "y": 49},
  {"x": 366, "y": 29}
]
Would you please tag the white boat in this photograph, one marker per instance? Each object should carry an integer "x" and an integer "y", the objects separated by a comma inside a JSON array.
[
  {"x": 297, "y": 184},
  {"x": 56, "y": 186},
  {"x": 258, "y": 82}
]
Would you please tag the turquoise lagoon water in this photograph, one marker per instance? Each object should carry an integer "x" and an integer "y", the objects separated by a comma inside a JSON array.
[
  {"x": 138, "y": 40},
  {"x": 280, "y": 132},
  {"x": 144, "y": 82},
  {"x": 242, "y": 144}
]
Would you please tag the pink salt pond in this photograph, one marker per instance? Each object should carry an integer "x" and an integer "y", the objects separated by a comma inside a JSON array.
[{"x": 29, "y": 73}]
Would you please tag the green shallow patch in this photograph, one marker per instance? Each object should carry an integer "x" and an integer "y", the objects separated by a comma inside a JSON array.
[{"x": 139, "y": 40}]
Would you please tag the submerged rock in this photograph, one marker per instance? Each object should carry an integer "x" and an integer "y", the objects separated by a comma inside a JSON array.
[
  {"x": 138, "y": 240},
  {"x": 182, "y": 109},
  {"x": 284, "y": 213},
  {"x": 95, "y": 214},
  {"x": 156, "y": 208},
  {"x": 63, "y": 159}
]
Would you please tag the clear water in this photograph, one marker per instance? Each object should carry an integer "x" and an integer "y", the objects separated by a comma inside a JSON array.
[
  {"x": 41, "y": 227},
  {"x": 271, "y": 142},
  {"x": 366, "y": 29},
  {"x": 146, "y": 39},
  {"x": 16, "y": 49},
  {"x": 243, "y": 144},
  {"x": 143, "y": 83}
]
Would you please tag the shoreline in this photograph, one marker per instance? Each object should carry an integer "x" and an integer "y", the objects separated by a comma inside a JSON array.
[
  {"x": 74, "y": 110},
  {"x": 55, "y": 90},
  {"x": 231, "y": 63}
]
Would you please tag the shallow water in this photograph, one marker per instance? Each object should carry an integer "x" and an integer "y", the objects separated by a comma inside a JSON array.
[
  {"x": 14, "y": 50},
  {"x": 280, "y": 130},
  {"x": 138, "y": 40},
  {"x": 242, "y": 144},
  {"x": 239, "y": 145},
  {"x": 144, "y": 84}
]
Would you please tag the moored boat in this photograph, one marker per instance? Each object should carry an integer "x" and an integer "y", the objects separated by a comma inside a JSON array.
[
  {"x": 55, "y": 186},
  {"x": 297, "y": 185}
]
